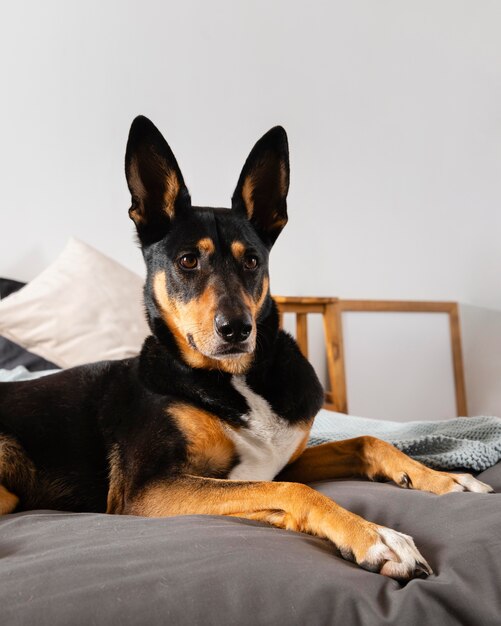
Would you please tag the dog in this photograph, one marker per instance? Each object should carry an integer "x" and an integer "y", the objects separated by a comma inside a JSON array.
[{"x": 213, "y": 416}]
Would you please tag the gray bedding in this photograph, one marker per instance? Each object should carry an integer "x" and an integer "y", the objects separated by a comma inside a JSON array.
[{"x": 59, "y": 568}]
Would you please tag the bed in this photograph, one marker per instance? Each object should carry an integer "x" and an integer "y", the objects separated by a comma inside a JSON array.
[
  {"x": 65, "y": 568},
  {"x": 61, "y": 568}
]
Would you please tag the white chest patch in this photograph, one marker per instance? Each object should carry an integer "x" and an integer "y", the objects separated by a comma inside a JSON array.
[{"x": 268, "y": 441}]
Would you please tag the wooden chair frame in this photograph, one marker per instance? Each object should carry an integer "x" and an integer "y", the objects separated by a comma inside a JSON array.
[{"x": 332, "y": 309}]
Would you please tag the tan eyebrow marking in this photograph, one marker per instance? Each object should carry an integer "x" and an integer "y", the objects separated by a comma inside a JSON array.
[
  {"x": 206, "y": 245},
  {"x": 237, "y": 249}
]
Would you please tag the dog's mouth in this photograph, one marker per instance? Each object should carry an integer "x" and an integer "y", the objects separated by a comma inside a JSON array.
[
  {"x": 223, "y": 351},
  {"x": 232, "y": 351}
]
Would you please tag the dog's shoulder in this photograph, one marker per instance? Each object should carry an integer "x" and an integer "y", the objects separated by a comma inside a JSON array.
[{"x": 289, "y": 382}]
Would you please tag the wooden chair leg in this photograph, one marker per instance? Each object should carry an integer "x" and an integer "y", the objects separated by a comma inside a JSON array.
[
  {"x": 335, "y": 358},
  {"x": 457, "y": 362},
  {"x": 302, "y": 332}
]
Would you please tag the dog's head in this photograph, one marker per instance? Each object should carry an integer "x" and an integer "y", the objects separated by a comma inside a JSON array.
[{"x": 207, "y": 268}]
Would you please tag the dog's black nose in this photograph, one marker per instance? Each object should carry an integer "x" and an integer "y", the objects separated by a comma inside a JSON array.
[{"x": 233, "y": 329}]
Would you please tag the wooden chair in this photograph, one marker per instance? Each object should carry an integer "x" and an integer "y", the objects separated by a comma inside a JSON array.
[
  {"x": 332, "y": 309},
  {"x": 335, "y": 397}
]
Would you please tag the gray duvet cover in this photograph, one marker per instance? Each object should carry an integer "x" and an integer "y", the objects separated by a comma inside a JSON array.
[{"x": 59, "y": 568}]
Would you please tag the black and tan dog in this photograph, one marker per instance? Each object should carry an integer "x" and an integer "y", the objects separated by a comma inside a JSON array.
[{"x": 219, "y": 403}]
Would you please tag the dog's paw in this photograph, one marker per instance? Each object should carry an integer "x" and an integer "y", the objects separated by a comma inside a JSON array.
[
  {"x": 440, "y": 483},
  {"x": 395, "y": 555},
  {"x": 392, "y": 554},
  {"x": 466, "y": 482}
]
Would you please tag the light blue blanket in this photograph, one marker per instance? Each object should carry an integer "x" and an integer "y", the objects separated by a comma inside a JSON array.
[{"x": 472, "y": 443}]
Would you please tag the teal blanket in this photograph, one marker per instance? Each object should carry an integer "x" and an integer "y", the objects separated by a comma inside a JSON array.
[{"x": 472, "y": 443}]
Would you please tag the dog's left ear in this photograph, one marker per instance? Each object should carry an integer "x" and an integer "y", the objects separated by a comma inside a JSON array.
[
  {"x": 155, "y": 181},
  {"x": 261, "y": 192}
]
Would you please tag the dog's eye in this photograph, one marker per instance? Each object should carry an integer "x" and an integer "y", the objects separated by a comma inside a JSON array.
[
  {"x": 251, "y": 262},
  {"x": 188, "y": 261}
]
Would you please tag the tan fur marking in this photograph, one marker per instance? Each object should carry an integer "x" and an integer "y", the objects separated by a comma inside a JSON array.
[
  {"x": 237, "y": 249},
  {"x": 171, "y": 193},
  {"x": 116, "y": 489},
  {"x": 286, "y": 505},
  {"x": 195, "y": 318},
  {"x": 364, "y": 456},
  {"x": 139, "y": 191},
  {"x": 247, "y": 191},
  {"x": 15, "y": 469},
  {"x": 255, "y": 305},
  {"x": 276, "y": 221},
  {"x": 302, "y": 444},
  {"x": 279, "y": 222},
  {"x": 8, "y": 501},
  {"x": 140, "y": 194},
  {"x": 206, "y": 245},
  {"x": 167, "y": 307},
  {"x": 210, "y": 451},
  {"x": 264, "y": 293},
  {"x": 284, "y": 187}
]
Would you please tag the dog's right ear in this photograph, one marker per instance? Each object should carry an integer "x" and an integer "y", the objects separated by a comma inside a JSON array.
[{"x": 154, "y": 180}]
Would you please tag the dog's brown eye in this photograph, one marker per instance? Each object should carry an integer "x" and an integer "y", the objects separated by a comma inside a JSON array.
[
  {"x": 188, "y": 262},
  {"x": 250, "y": 262}
]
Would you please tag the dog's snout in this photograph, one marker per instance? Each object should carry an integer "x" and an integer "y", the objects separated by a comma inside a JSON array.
[{"x": 233, "y": 328}]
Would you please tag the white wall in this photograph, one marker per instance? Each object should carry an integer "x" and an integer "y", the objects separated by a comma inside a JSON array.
[
  {"x": 482, "y": 358},
  {"x": 392, "y": 110},
  {"x": 399, "y": 365}
]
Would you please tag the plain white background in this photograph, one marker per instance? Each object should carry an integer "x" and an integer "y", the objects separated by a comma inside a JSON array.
[{"x": 393, "y": 115}]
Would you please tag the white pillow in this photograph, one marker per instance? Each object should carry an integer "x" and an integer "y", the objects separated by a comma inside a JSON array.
[{"x": 84, "y": 307}]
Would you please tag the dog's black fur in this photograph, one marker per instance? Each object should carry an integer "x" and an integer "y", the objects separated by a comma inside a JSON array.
[{"x": 64, "y": 435}]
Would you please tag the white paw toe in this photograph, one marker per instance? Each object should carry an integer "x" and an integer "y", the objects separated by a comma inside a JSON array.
[
  {"x": 466, "y": 482},
  {"x": 396, "y": 556}
]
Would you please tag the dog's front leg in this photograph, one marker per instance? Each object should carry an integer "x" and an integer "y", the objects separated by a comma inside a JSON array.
[
  {"x": 285, "y": 505},
  {"x": 371, "y": 457}
]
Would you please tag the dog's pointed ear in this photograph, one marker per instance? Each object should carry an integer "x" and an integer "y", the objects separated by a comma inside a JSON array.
[
  {"x": 261, "y": 192},
  {"x": 155, "y": 181}
]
